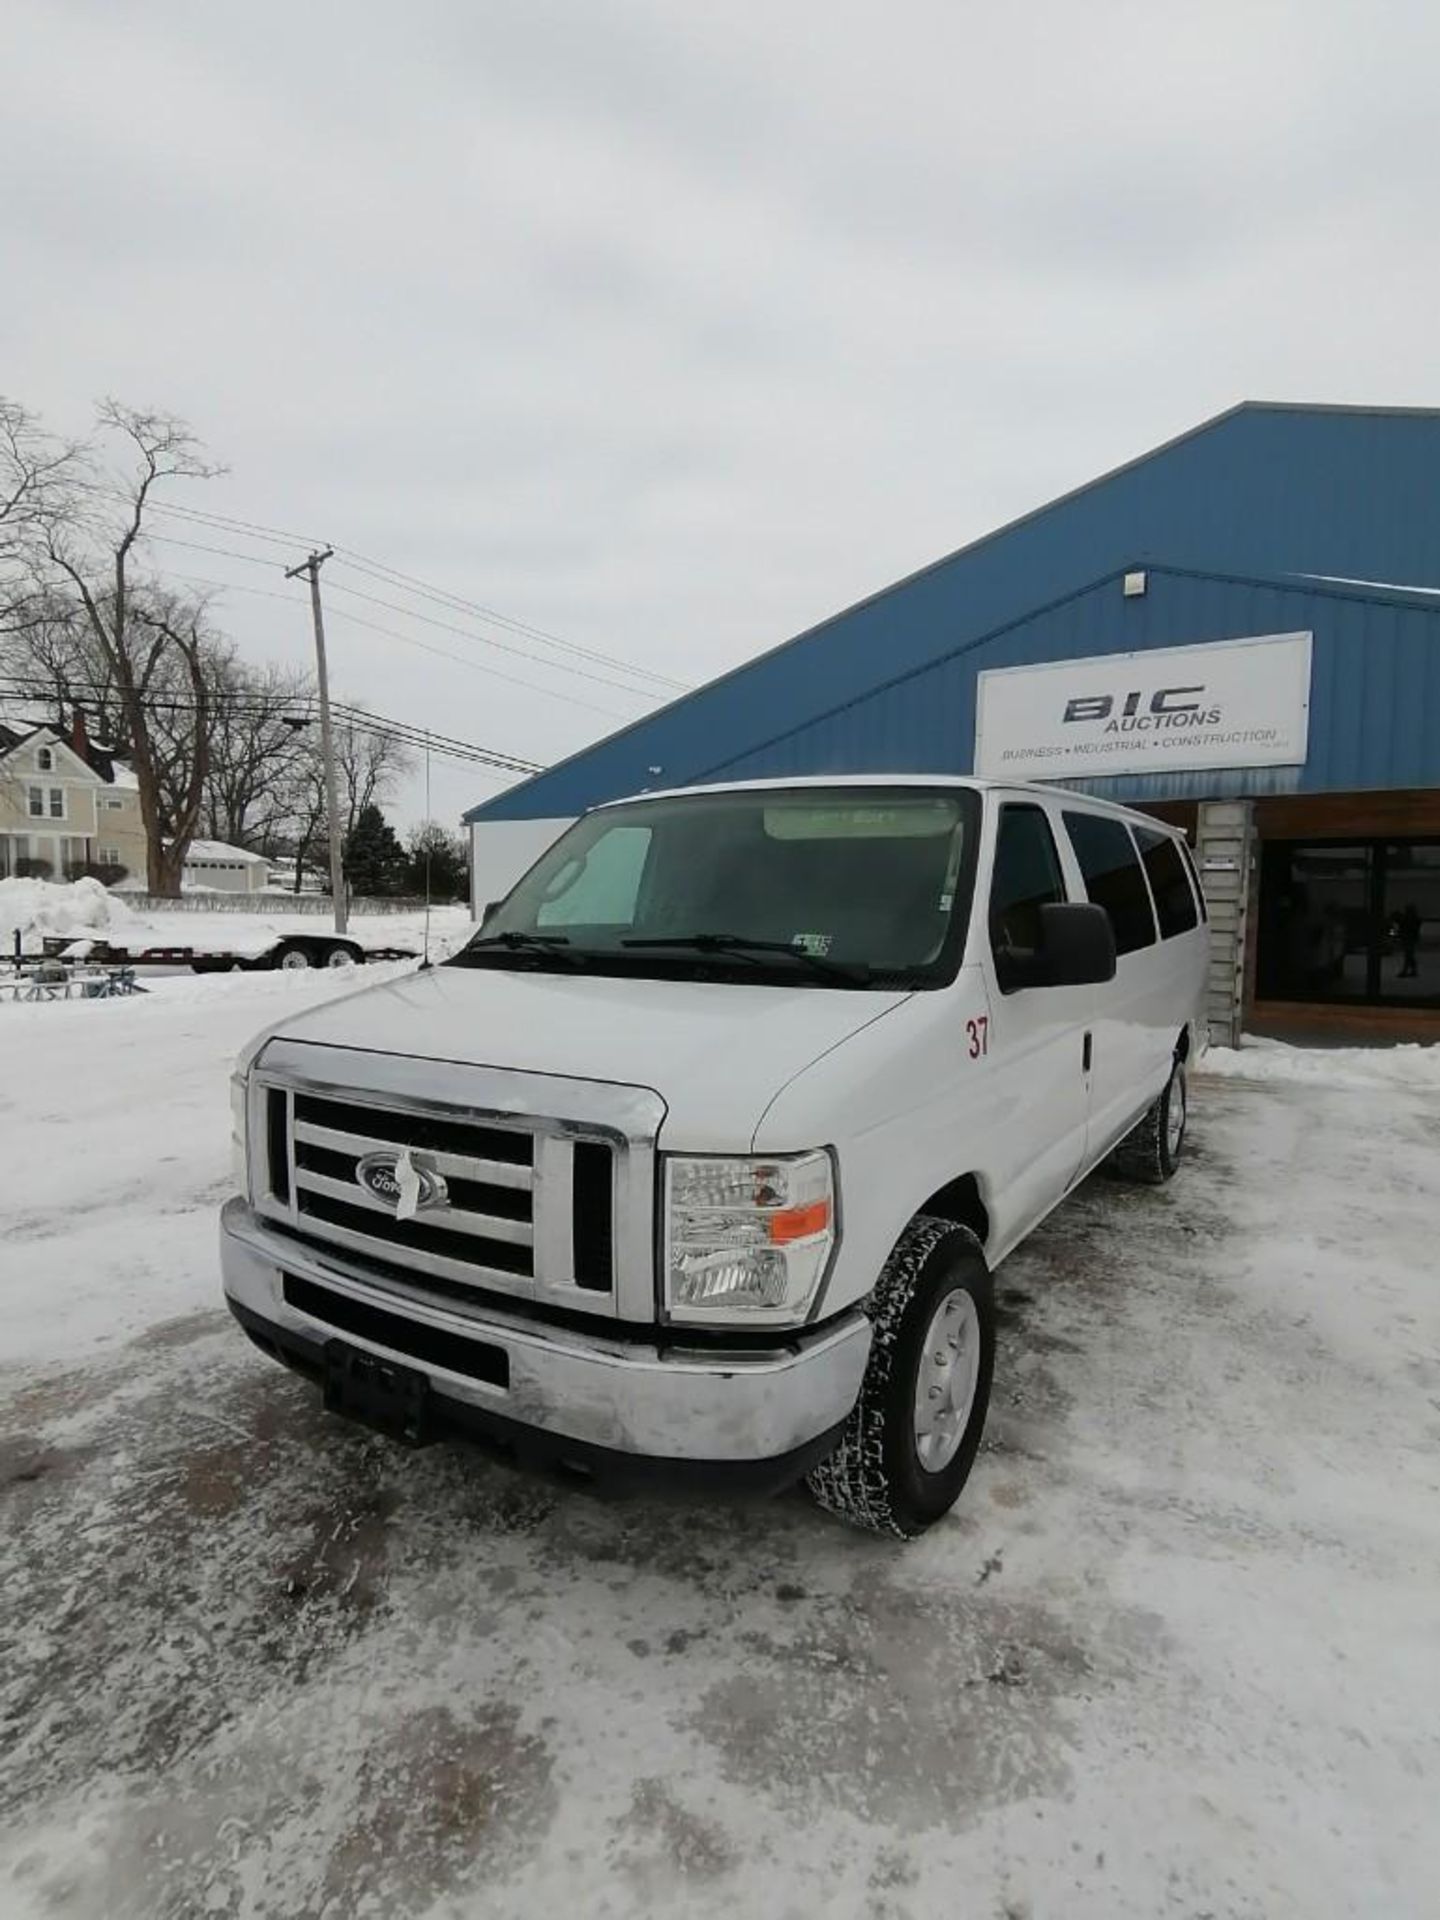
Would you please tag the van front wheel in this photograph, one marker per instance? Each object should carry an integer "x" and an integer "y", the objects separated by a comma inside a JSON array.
[{"x": 908, "y": 1447}]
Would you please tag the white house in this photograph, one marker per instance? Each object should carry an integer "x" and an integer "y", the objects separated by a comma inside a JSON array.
[
  {"x": 65, "y": 805},
  {"x": 211, "y": 864}
]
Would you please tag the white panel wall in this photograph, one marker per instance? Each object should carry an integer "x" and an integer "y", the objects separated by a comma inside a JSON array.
[{"x": 501, "y": 850}]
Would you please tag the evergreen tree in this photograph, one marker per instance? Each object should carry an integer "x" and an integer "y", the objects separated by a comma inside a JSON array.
[
  {"x": 375, "y": 862},
  {"x": 438, "y": 863}
]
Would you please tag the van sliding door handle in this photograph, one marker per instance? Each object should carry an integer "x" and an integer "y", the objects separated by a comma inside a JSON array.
[{"x": 1085, "y": 1055}]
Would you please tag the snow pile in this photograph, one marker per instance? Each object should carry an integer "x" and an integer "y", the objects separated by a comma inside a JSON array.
[
  {"x": 40, "y": 908},
  {"x": 1407, "y": 1065}
]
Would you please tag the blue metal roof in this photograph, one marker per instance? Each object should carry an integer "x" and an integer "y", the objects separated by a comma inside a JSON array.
[
  {"x": 1374, "y": 694},
  {"x": 1242, "y": 523}
]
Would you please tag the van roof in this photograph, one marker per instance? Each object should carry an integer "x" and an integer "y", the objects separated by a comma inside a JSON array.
[{"x": 930, "y": 781}]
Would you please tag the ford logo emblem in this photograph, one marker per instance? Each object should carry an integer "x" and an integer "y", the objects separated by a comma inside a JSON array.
[{"x": 401, "y": 1182}]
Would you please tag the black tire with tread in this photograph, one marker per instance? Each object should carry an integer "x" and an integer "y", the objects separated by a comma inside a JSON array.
[
  {"x": 874, "y": 1478},
  {"x": 1144, "y": 1154}
]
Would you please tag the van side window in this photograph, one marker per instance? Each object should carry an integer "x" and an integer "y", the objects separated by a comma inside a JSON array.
[
  {"x": 1113, "y": 878},
  {"x": 1027, "y": 877},
  {"x": 1194, "y": 873},
  {"x": 1169, "y": 882}
]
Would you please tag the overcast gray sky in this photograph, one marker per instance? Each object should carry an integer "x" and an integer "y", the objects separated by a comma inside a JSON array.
[{"x": 672, "y": 329}]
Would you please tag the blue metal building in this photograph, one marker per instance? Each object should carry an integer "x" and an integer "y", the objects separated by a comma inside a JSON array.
[{"x": 1266, "y": 521}]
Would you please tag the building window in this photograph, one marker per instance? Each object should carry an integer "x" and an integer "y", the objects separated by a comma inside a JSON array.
[
  {"x": 115, "y": 805},
  {"x": 57, "y": 803},
  {"x": 35, "y": 800},
  {"x": 1113, "y": 878},
  {"x": 1354, "y": 920},
  {"x": 110, "y": 857},
  {"x": 44, "y": 760}
]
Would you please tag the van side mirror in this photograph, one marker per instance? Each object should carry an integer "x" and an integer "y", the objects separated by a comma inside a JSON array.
[{"x": 1076, "y": 949}]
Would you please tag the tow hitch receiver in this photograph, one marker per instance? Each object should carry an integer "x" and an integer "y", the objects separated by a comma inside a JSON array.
[{"x": 388, "y": 1398}]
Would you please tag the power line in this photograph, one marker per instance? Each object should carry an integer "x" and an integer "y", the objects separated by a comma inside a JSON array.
[
  {"x": 402, "y": 732},
  {"x": 417, "y": 735},
  {"x": 375, "y": 569},
  {"x": 422, "y": 589},
  {"x": 409, "y": 640},
  {"x": 429, "y": 620},
  {"x": 405, "y": 640},
  {"x": 502, "y": 646}
]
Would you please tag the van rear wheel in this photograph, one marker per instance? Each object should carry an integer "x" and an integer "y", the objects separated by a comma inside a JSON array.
[
  {"x": 1151, "y": 1151},
  {"x": 908, "y": 1447}
]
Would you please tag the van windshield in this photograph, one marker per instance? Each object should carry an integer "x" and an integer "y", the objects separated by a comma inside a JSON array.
[{"x": 825, "y": 887}]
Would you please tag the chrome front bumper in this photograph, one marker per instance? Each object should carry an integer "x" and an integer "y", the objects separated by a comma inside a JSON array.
[{"x": 651, "y": 1401}]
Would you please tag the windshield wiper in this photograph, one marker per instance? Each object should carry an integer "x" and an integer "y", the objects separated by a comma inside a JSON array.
[
  {"x": 543, "y": 945},
  {"x": 744, "y": 948}
]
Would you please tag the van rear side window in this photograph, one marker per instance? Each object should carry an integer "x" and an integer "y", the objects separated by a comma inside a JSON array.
[
  {"x": 1113, "y": 878},
  {"x": 1169, "y": 882},
  {"x": 1194, "y": 873}
]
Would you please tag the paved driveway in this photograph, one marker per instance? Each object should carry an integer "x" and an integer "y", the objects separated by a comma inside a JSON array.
[{"x": 1177, "y": 1653}]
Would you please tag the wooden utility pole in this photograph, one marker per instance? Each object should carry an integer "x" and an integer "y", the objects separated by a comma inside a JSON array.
[{"x": 312, "y": 567}]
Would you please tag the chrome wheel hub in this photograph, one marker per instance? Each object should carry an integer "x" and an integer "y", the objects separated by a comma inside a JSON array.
[
  {"x": 1175, "y": 1116},
  {"x": 946, "y": 1379}
]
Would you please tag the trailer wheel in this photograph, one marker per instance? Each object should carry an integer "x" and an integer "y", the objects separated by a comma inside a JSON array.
[
  {"x": 908, "y": 1447},
  {"x": 342, "y": 956},
  {"x": 292, "y": 958}
]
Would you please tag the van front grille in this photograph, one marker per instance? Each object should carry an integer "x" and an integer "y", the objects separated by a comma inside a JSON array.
[
  {"x": 393, "y": 1126},
  {"x": 594, "y": 1217},
  {"x": 316, "y": 1207},
  {"x": 522, "y": 1208}
]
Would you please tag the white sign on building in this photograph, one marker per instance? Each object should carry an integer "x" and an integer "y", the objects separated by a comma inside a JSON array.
[{"x": 1227, "y": 703}]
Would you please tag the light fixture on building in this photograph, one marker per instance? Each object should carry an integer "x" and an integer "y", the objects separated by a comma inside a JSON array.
[{"x": 1134, "y": 585}]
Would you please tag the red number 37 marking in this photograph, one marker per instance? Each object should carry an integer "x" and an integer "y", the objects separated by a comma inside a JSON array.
[{"x": 978, "y": 1033}]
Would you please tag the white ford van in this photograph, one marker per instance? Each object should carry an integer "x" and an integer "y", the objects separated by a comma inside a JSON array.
[{"x": 700, "y": 1156}]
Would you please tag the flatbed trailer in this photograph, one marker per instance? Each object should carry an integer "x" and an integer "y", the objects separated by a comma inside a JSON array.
[{"x": 287, "y": 950}]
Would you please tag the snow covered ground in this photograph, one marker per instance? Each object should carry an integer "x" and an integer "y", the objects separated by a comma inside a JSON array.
[{"x": 1178, "y": 1653}]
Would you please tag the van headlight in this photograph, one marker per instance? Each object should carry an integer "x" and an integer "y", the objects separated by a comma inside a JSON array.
[{"x": 749, "y": 1238}]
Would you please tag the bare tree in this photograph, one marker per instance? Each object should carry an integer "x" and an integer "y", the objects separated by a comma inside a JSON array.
[
  {"x": 37, "y": 473},
  {"x": 257, "y": 752},
  {"x": 181, "y": 722},
  {"x": 369, "y": 761},
  {"x": 147, "y": 638},
  {"x": 305, "y": 813}
]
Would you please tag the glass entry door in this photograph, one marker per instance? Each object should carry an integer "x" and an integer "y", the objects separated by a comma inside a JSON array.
[
  {"x": 1410, "y": 957},
  {"x": 1350, "y": 920}
]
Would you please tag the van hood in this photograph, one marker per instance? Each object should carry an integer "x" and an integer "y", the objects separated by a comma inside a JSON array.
[{"x": 716, "y": 1053}]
